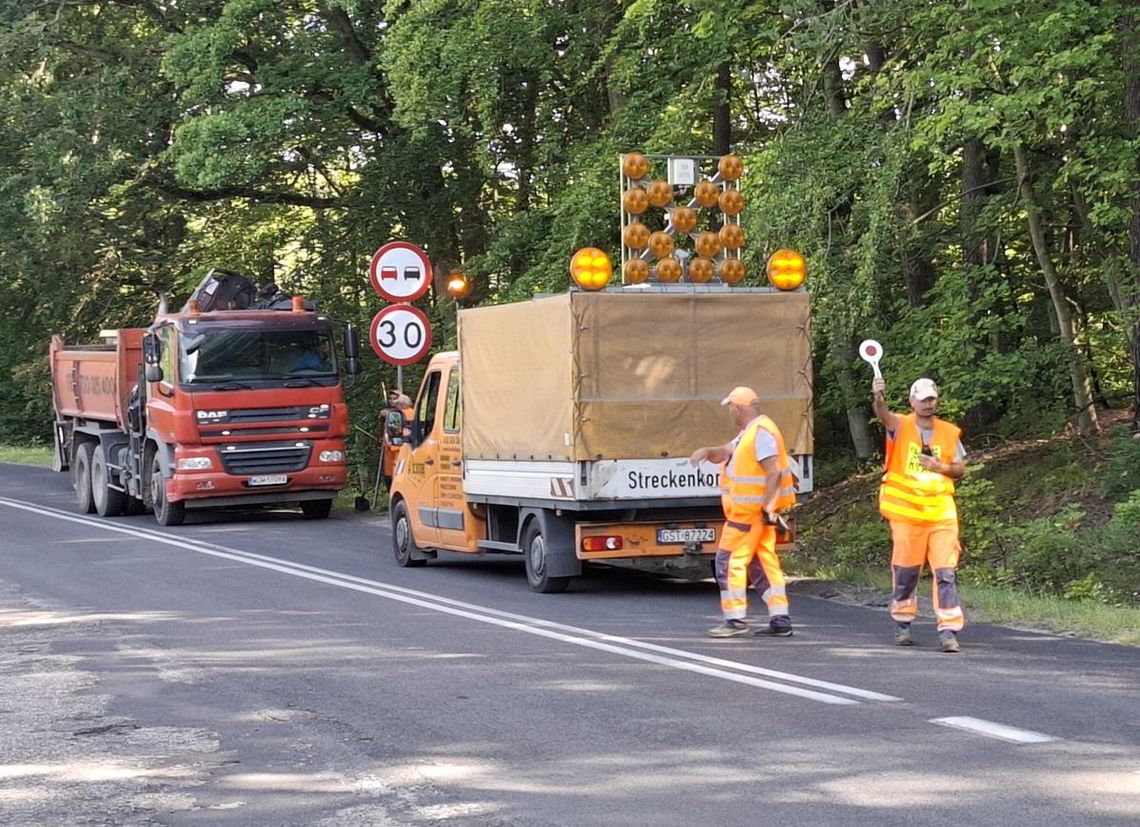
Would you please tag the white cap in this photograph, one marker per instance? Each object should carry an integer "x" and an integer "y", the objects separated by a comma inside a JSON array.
[{"x": 923, "y": 389}]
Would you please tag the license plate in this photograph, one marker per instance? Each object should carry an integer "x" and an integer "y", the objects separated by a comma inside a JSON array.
[
  {"x": 677, "y": 536},
  {"x": 269, "y": 479}
]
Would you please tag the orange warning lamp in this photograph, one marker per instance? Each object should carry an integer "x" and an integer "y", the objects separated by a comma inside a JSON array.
[
  {"x": 731, "y": 202},
  {"x": 635, "y": 235},
  {"x": 668, "y": 270},
  {"x": 731, "y": 236},
  {"x": 787, "y": 269},
  {"x": 708, "y": 244},
  {"x": 732, "y": 271},
  {"x": 591, "y": 269},
  {"x": 661, "y": 244},
  {"x": 457, "y": 285},
  {"x": 634, "y": 165},
  {"x": 635, "y": 271},
  {"x": 684, "y": 219},
  {"x": 635, "y": 201},
  {"x": 706, "y": 193},
  {"x": 660, "y": 193},
  {"x": 730, "y": 167},
  {"x": 701, "y": 270}
]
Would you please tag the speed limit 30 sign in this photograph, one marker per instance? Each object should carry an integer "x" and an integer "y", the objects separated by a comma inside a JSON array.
[{"x": 401, "y": 334}]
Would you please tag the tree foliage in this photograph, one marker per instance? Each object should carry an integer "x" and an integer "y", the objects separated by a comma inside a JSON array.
[{"x": 962, "y": 176}]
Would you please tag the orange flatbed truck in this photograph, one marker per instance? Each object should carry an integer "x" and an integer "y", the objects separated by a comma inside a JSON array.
[
  {"x": 219, "y": 405},
  {"x": 561, "y": 428}
]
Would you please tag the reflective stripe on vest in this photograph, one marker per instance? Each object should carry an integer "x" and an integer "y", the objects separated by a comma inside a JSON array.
[
  {"x": 910, "y": 493},
  {"x": 743, "y": 478}
]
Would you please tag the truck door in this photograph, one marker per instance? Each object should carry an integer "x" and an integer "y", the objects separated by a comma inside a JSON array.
[
  {"x": 451, "y": 505},
  {"x": 161, "y": 401},
  {"x": 423, "y": 463}
]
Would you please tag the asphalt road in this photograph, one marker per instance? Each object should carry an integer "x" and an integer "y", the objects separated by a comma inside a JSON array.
[{"x": 259, "y": 669}]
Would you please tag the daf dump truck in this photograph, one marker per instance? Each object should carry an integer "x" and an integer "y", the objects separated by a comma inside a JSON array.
[
  {"x": 229, "y": 402},
  {"x": 561, "y": 428}
]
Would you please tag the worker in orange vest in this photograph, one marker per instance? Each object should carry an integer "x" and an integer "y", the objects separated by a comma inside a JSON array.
[
  {"x": 924, "y": 455},
  {"x": 401, "y": 402},
  {"x": 756, "y": 484}
]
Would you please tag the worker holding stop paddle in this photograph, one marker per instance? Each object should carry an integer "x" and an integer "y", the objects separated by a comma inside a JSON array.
[{"x": 924, "y": 455}]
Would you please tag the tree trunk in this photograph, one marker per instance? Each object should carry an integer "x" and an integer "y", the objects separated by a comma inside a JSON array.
[
  {"x": 917, "y": 271},
  {"x": 978, "y": 248},
  {"x": 858, "y": 416},
  {"x": 1087, "y": 422},
  {"x": 722, "y": 111},
  {"x": 1130, "y": 62}
]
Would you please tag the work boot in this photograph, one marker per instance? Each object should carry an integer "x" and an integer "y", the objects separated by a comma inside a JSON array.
[
  {"x": 948, "y": 641},
  {"x": 780, "y": 628},
  {"x": 730, "y": 628},
  {"x": 902, "y": 635}
]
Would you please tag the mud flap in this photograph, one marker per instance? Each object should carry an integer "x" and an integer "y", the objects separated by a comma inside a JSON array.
[{"x": 561, "y": 559}]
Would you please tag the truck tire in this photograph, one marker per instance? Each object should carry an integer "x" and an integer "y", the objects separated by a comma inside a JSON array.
[
  {"x": 316, "y": 509},
  {"x": 109, "y": 502},
  {"x": 81, "y": 477},
  {"x": 165, "y": 512},
  {"x": 403, "y": 543},
  {"x": 534, "y": 550}
]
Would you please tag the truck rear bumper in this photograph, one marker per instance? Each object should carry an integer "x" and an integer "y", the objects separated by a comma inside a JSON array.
[
  {"x": 608, "y": 541},
  {"x": 634, "y": 541}
]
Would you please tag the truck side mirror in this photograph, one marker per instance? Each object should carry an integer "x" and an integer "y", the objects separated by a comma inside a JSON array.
[
  {"x": 351, "y": 351},
  {"x": 152, "y": 356},
  {"x": 394, "y": 425}
]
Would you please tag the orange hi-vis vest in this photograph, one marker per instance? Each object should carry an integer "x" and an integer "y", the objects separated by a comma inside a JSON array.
[
  {"x": 909, "y": 493},
  {"x": 743, "y": 479}
]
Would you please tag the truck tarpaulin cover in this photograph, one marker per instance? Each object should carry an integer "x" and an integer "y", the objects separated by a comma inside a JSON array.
[{"x": 586, "y": 376}]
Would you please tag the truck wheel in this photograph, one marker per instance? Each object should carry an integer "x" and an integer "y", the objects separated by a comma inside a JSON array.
[
  {"x": 534, "y": 549},
  {"x": 403, "y": 543},
  {"x": 109, "y": 502},
  {"x": 316, "y": 509},
  {"x": 166, "y": 512},
  {"x": 82, "y": 477}
]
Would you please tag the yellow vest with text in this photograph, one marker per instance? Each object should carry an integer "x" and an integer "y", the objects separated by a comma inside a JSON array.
[
  {"x": 909, "y": 493},
  {"x": 743, "y": 479}
]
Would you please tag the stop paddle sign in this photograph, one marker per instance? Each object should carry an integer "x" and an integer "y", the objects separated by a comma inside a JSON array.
[{"x": 872, "y": 352}]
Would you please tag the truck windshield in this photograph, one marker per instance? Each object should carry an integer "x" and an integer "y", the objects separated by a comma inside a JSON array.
[{"x": 223, "y": 355}]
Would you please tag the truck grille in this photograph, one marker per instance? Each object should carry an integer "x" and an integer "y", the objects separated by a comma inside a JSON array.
[
  {"x": 264, "y": 457},
  {"x": 251, "y": 416}
]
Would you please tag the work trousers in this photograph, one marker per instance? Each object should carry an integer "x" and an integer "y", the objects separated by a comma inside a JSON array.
[
  {"x": 749, "y": 552},
  {"x": 935, "y": 544}
]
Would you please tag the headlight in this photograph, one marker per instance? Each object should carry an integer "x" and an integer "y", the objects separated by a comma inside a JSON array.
[
  {"x": 331, "y": 456},
  {"x": 195, "y": 464}
]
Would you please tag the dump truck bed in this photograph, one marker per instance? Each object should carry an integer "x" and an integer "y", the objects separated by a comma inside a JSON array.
[{"x": 94, "y": 382}]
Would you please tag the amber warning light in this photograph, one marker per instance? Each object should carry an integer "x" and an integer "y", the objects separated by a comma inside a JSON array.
[
  {"x": 591, "y": 268},
  {"x": 787, "y": 269}
]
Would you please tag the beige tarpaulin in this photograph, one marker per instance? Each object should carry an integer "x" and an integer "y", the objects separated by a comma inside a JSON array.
[{"x": 623, "y": 375}]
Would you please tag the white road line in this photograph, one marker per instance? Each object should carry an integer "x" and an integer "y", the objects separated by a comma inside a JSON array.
[
  {"x": 614, "y": 644},
  {"x": 989, "y": 728}
]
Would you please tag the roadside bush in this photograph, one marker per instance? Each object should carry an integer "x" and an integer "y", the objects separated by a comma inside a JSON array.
[
  {"x": 1122, "y": 472},
  {"x": 853, "y": 538},
  {"x": 1057, "y": 556},
  {"x": 978, "y": 514},
  {"x": 1043, "y": 555}
]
